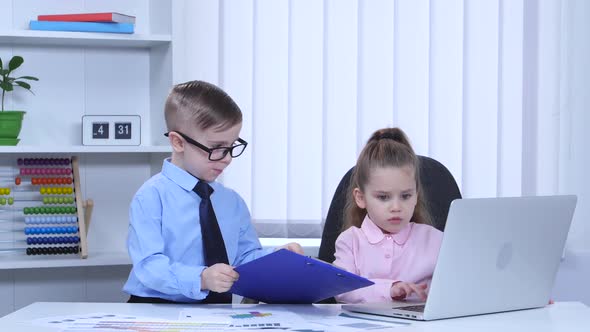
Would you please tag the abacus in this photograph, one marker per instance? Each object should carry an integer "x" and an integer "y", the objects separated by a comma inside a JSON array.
[{"x": 41, "y": 208}]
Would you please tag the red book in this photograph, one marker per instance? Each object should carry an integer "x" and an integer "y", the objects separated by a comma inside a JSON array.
[{"x": 89, "y": 17}]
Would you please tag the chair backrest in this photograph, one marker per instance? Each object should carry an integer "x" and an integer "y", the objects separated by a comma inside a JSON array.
[{"x": 439, "y": 187}]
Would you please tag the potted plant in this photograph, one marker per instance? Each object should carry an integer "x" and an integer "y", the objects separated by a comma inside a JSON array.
[{"x": 11, "y": 121}]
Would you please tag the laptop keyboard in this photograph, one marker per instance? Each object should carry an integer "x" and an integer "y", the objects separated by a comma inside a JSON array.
[{"x": 417, "y": 308}]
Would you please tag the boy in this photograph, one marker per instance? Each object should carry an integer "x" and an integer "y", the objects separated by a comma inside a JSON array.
[{"x": 186, "y": 230}]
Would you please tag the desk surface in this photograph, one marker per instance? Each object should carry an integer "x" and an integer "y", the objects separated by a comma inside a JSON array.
[{"x": 563, "y": 316}]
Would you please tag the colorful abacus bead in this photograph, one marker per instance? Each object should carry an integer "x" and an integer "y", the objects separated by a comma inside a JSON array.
[
  {"x": 49, "y": 210},
  {"x": 53, "y": 240},
  {"x": 4, "y": 200},
  {"x": 58, "y": 200},
  {"x": 55, "y": 180},
  {"x": 53, "y": 250},
  {"x": 50, "y": 230},
  {"x": 43, "y": 161},
  {"x": 46, "y": 171},
  {"x": 56, "y": 190},
  {"x": 51, "y": 220}
]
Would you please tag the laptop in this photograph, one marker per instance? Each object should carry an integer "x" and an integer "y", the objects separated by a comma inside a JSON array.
[{"x": 497, "y": 254}]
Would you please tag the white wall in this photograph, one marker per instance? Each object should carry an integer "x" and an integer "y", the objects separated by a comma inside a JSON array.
[
  {"x": 493, "y": 89},
  {"x": 574, "y": 149},
  {"x": 574, "y": 108}
]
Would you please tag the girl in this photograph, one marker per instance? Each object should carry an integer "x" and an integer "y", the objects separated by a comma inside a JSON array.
[{"x": 386, "y": 235}]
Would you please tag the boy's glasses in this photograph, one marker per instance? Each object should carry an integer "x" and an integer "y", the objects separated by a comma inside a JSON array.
[{"x": 216, "y": 154}]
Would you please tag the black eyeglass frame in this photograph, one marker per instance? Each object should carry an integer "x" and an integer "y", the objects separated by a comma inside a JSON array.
[{"x": 226, "y": 149}]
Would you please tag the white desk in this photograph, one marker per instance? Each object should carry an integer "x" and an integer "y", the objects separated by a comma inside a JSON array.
[{"x": 563, "y": 316}]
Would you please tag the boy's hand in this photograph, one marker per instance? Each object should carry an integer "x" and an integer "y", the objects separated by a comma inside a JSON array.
[
  {"x": 218, "y": 278},
  {"x": 400, "y": 290},
  {"x": 292, "y": 246}
]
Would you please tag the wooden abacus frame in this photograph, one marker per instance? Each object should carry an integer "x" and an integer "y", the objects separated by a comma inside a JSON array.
[{"x": 83, "y": 209}]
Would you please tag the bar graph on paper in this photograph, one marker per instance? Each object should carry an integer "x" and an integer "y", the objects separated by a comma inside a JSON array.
[
  {"x": 146, "y": 326},
  {"x": 102, "y": 322},
  {"x": 244, "y": 319}
]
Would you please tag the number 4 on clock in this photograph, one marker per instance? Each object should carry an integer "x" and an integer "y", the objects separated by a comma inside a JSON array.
[{"x": 100, "y": 130}]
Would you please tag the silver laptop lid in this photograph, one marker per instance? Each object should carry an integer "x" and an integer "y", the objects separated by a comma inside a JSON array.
[{"x": 499, "y": 254}]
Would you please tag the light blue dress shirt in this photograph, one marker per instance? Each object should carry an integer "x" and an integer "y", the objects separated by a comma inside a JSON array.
[{"x": 164, "y": 239}]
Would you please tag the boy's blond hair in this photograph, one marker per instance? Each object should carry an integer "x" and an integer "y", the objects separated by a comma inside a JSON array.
[{"x": 201, "y": 105}]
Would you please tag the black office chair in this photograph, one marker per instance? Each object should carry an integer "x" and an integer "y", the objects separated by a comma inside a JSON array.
[{"x": 439, "y": 188}]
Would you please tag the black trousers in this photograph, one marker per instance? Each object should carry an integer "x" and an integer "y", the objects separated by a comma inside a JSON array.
[{"x": 139, "y": 299}]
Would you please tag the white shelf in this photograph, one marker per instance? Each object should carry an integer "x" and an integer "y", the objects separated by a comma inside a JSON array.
[
  {"x": 10, "y": 261},
  {"x": 21, "y": 261},
  {"x": 59, "y": 38},
  {"x": 86, "y": 149}
]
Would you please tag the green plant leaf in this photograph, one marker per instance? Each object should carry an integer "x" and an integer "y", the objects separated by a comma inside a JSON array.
[
  {"x": 28, "y": 78},
  {"x": 23, "y": 85},
  {"x": 15, "y": 62},
  {"x": 8, "y": 83},
  {"x": 6, "y": 86}
]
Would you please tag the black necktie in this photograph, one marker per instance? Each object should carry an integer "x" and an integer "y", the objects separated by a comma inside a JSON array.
[{"x": 213, "y": 245}]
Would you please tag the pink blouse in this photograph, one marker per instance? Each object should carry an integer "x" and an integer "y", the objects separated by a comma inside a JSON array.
[{"x": 409, "y": 255}]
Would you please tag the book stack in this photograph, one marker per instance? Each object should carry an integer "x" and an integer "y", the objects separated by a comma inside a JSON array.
[{"x": 85, "y": 22}]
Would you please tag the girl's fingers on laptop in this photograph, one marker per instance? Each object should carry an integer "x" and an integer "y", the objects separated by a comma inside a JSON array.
[
  {"x": 420, "y": 290},
  {"x": 399, "y": 290}
]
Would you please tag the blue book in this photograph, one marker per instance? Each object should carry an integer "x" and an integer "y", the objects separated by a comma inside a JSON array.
[
  {"x": 286, "y": 277},
  {"x": 82, "y": 26}
]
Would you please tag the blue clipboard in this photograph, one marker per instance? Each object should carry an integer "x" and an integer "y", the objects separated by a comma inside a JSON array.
[{"x": 287, "y": 277}]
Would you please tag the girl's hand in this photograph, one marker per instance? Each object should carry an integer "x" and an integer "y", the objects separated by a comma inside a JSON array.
[
  {"x": 400, "y": 290},
  {"x": 292, "y": 246},
  {"x": 218, "y": 278}
]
